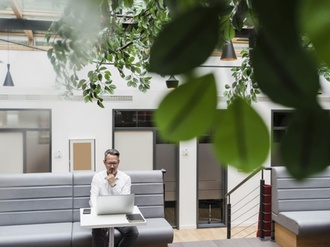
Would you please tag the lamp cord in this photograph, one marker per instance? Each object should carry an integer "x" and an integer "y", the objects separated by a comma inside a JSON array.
[{"x": 7, "y": 48}]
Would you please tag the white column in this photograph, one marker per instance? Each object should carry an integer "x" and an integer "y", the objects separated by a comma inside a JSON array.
[{"x": 188, "y": 184}]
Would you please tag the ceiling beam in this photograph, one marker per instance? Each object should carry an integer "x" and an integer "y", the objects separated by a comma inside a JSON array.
[
  {"x": 22, "y": 24},
  {"x": 17, "y": 9}
]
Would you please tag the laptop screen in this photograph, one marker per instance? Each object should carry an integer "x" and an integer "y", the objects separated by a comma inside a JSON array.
[{"x": 115, "y": 204}]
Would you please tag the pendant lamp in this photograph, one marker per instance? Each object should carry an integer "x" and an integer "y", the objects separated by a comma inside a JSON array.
[
  {"x": 8, "y": 80},
  {"x": 228, "y": 52},
  {"x": 172, "y": 82}
]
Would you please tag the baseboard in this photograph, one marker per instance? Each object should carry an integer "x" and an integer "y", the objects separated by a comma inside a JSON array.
[{"x": 187, "y": 227}]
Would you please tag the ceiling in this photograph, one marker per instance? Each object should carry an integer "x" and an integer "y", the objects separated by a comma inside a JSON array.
[{"x": 25, "y": 22}]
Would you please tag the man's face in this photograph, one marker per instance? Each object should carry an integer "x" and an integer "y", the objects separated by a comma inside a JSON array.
[{"x": 111, "y": 164}]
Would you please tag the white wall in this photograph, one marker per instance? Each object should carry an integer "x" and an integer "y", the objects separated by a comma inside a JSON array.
[
  {"x": 11, "y": 152},
  {"x": 33, "y": 75}
]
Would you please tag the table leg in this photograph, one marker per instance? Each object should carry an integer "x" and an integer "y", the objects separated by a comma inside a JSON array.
[{"x": 111, "y": 237}]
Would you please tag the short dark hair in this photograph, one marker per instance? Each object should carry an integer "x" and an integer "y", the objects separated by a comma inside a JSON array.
[{"x": 111, "y": 151}]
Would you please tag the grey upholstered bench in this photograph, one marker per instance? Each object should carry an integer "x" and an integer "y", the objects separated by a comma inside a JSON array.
[
  {"x": 42, "y": 209},
  {"x": 148, "y": 188},
  {"x": 301, "y": 210}
]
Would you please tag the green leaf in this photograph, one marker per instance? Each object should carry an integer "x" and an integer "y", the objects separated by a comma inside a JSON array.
[
  {"x": 186, "y": 42},
  {"x": 285, "y": 79},
  {"x": 241, "y": 137},
  {"x": 188, "y": 111},
  {"x": 315, "y": 21},
  {"x": 81, "y": 83},
  {"x": 252, "y": 19},
  {"x": 305, "y": 147},
  {"x": 50, "y": 52},
  {"x": 228, "y": 30},
  {"x": 100, "y": 104},
  {"x": 240, "y": 15},
  {"x": 283, "y": 69}
]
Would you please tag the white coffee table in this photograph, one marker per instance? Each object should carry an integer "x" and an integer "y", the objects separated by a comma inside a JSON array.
[{"x": 93, "y": 220}]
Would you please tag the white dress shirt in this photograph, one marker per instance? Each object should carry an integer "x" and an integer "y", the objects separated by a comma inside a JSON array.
[{"x": 100, "y": 185}]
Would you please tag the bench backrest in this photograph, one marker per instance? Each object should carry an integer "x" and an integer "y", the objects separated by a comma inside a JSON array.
[
  {"x": 310, "y": 194},
  {"x": 148, "y": 187},
  {"x": 81, "y": 192},
  {"x": 35, "y": 198}
]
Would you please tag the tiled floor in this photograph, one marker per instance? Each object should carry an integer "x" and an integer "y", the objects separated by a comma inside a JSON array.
[
  {"x": 188, "y": 235},
  {"x": 238, "y": 242}
]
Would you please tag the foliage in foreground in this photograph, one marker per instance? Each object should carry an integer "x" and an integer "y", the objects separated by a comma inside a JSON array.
[
  {"x": 285, "y": 72},
  {"x": 283, "y": 68}
]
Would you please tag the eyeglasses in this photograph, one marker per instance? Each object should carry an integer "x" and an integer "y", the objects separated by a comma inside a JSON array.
[{"x": 112, "y": 164}]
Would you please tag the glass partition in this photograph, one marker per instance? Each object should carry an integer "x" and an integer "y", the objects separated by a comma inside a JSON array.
[
  {"x": 211, "y": 186},
  {"x": 27, "y": 134}
]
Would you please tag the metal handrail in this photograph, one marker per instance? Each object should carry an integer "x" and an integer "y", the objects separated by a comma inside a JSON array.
[
  {"x": 244, "y": 181},
  {"x": 229, "y": 207}
]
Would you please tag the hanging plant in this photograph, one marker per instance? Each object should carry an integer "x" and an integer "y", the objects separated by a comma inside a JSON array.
[
  {"x": 244, "y": 85},
  {"x": 97, "y": 33}
]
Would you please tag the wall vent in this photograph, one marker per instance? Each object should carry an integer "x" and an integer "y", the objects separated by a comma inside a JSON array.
[
  {"x": 260, "y": 98},
  {"x": 264, "y": 98},
  {"x": 36, "y": 97}
]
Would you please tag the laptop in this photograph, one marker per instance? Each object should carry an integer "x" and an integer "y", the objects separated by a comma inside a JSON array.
[{"x": 115, "y": 204}]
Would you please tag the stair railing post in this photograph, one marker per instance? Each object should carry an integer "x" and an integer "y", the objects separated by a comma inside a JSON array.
[
  {"x": 228, "y": 219},
  {"x": 261, "y": 213},
  {"x": 164, "y": 189}
]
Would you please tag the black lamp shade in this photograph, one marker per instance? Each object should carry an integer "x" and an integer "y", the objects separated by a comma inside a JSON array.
[
  {"x": 8, "y": 80},
  {"x": 228, "y": 52},
  {"x": 172, "y": 82}
]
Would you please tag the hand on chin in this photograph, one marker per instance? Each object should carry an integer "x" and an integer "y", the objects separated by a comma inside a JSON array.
[{"x": 111, "y": 171}]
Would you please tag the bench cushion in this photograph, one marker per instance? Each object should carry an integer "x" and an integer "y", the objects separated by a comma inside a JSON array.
[
  {"x": 157, "y": 230},
  {"x": 304, "y": 223},
  {"x": 81, "y": 237},
  {"x": 36, "y": 235}
]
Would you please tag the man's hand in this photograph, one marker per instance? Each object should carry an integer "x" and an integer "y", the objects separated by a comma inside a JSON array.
[{"x": 111, "y": 179}]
